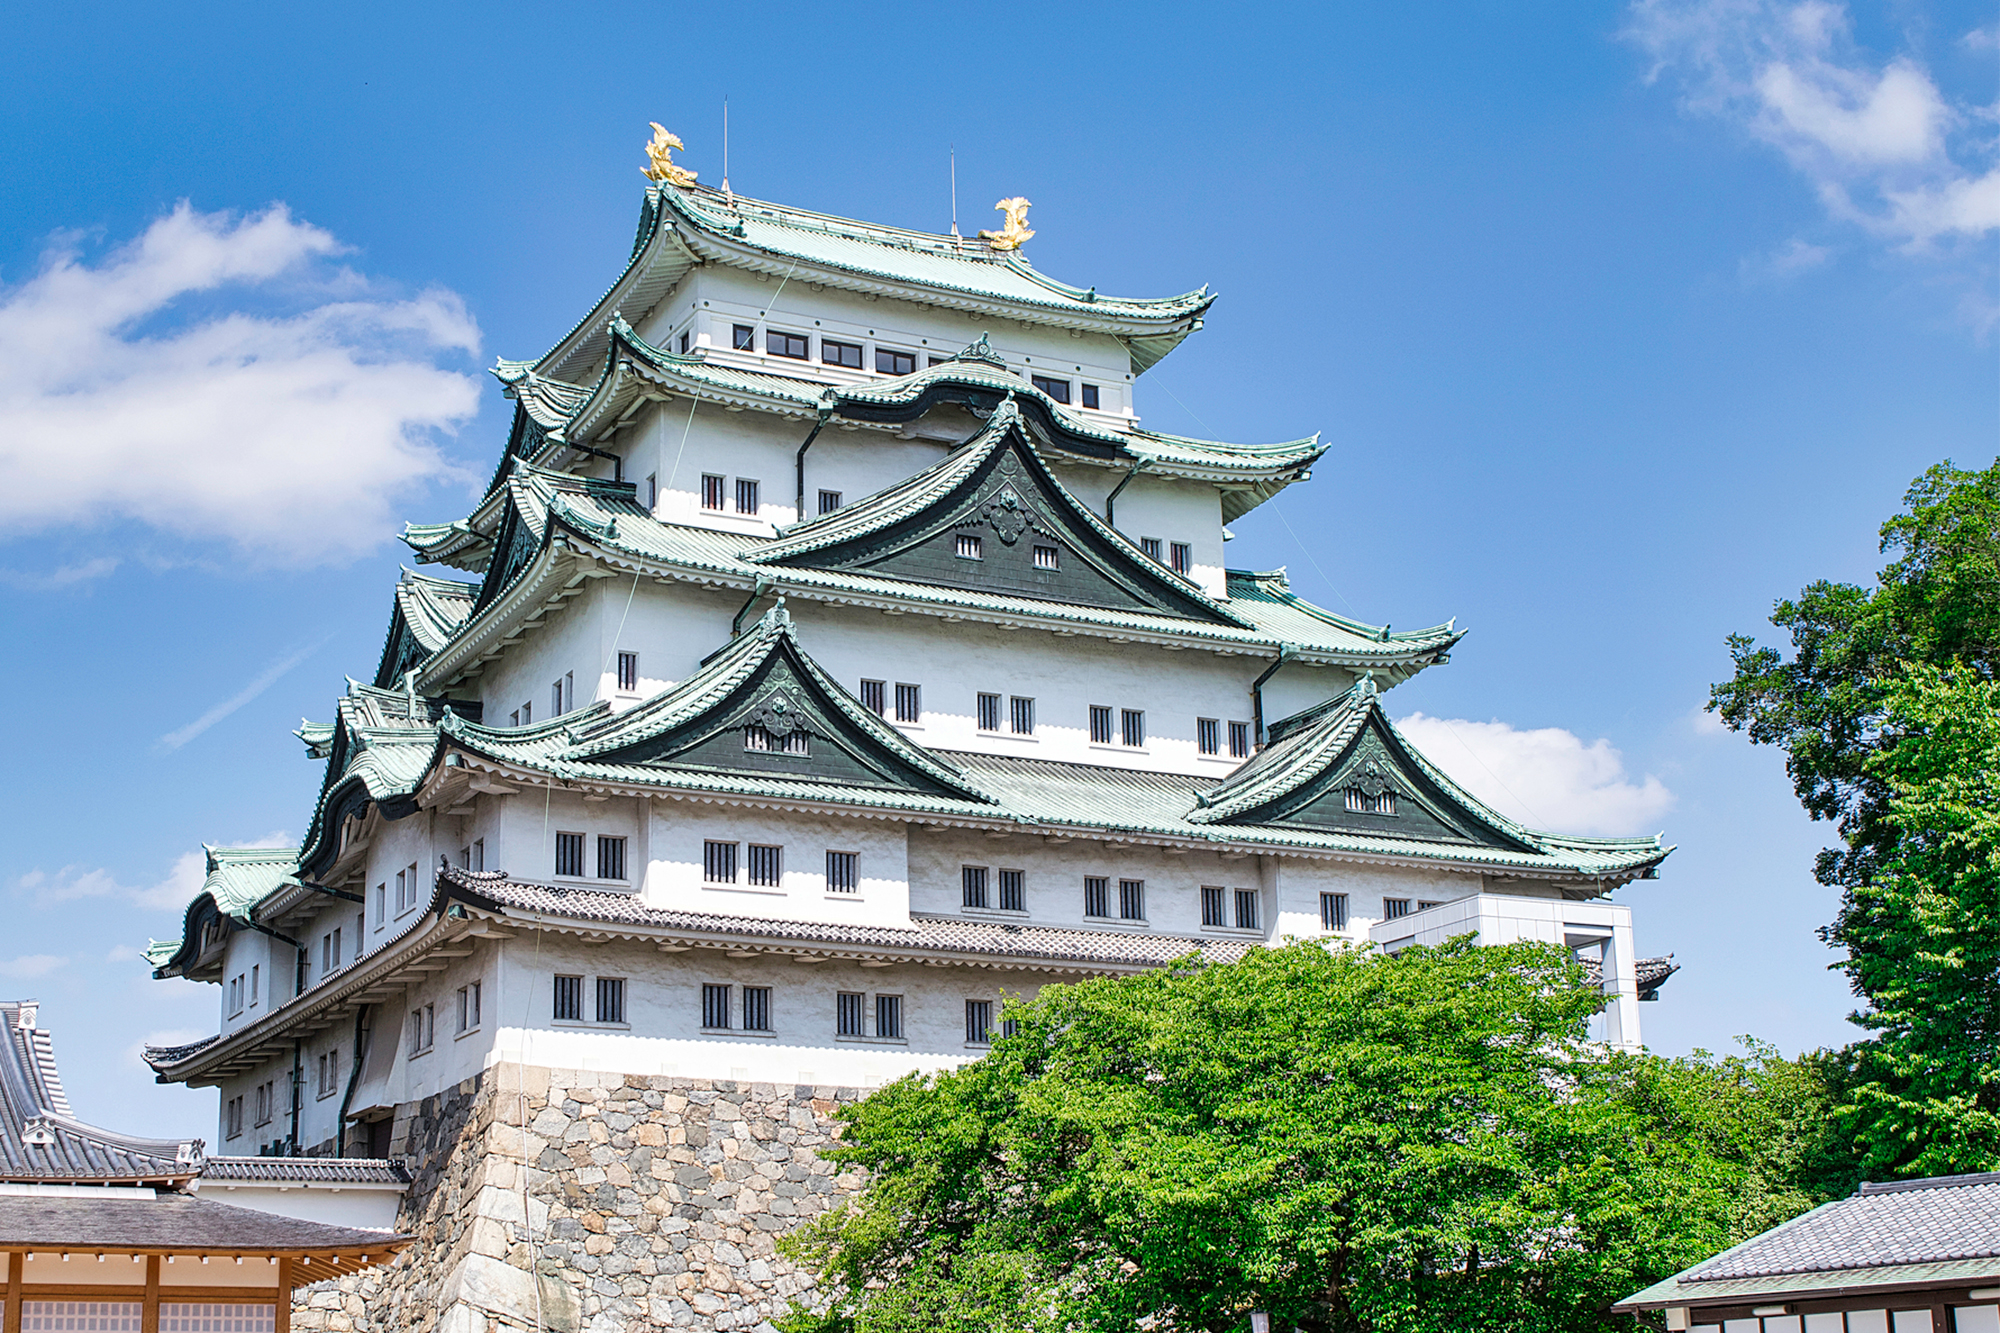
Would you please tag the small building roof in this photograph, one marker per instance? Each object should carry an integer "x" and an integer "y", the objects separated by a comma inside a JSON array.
[
  {"x": 386, "y": 1171},
  {"x": 179, "y": 1224},
  {"x": 1938, "y": 1230},
  {"x": 238, "y": 878}
]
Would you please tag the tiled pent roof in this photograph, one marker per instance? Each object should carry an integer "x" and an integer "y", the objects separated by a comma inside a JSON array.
[
  {"x": 303, "y": 1170},
  {"x": 434, "y": 608},
  {"x": 41, "y": 1140},
  {"x": 176, "y": 1222}
]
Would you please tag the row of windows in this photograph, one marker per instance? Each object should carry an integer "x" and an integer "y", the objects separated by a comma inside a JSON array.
[
  {"x": 1108, "y": 726},
  {"x": 972, "y": 546},
  {"x": 610, "y": 995},
  {"x": 1179, "y": 556},
  {"x": 266, "y": 1100},
  {"x": 570, "y": 862},
  {"x": 423, "y": 1019},
  {"x": 243, "y": 989},
  {"x": 888, "y": 360},
  {"x": 715, "y": 491},
  {"x": 727, "y": 1008}
]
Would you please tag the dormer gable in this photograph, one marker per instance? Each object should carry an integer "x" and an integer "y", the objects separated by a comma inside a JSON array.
[{"x": 427, "y": 612}]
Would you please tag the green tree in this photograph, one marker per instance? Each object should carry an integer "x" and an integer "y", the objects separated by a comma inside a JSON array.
[
  {"x": 1925, "y": 934},
  {"x": 1349, "y": 1140}
]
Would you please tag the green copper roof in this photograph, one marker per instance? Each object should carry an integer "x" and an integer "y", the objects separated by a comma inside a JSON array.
[
  {"x": 455, "y": 543},
  {"x": 238, "y": 879},
  {"x": 379, "y": 751},
  {"x": 433, "y": 608}
]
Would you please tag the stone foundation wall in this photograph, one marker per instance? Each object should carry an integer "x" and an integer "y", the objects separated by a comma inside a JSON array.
[{"x": 635, "y": 1203}]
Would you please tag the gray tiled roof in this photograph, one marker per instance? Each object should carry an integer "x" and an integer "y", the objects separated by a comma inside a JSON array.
[
  {"x": 1908, "y": 1222},
  {"x": 42, "y": 1140},
  {"x": 172, "y": 1222},
  {"x": 306, "y": 1170}
]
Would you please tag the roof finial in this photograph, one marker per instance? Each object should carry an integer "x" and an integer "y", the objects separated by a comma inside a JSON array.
[
  {"x": 956, "y": 242},
  {"x": 660, "y": 158},
  {"x": 1016, "y": 232},
  {"x": 726, "y": 194}
]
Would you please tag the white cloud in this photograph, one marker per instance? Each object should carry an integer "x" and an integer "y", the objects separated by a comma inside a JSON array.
[
  {"x": 171, "y": 892},
  {"x": 175, "y": 739},
  {"x": 1881, "y": 145},
  {"x": 29, "y": 966},
  {"x": 1787, "y": 261},
  {"x": 63, "y": 576},
  {"x": 1547, "y": 778},
  {"x": 271, "y": 415}
]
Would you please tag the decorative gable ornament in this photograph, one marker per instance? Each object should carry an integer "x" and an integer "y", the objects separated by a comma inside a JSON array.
[
  {"x": 39, "y": 1132},
  {"x": 777, "y": 714},
  {"x": 1371, "y": 776}
]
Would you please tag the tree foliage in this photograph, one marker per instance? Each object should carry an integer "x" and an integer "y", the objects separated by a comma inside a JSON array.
[{"x": 1348, "y": 1140}]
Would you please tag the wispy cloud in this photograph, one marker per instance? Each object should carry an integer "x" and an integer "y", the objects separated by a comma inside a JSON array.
[
  {"x": 1787, "y": 261},
  {"x": 171, "y": 892},
  {"x": 288, "y": 435},
  {"x": 63, "y": 576},
  {"x": 1547, "y": 778},
  {"x": 174, "y": 740},
  {"x": 30, "y": 966}
]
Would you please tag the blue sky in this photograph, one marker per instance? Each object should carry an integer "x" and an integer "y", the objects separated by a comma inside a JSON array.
[{"x": 1622, "y": 320}]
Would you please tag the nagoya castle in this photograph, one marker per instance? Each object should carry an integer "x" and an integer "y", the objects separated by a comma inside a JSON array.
[{"x": 832, "y": 658}]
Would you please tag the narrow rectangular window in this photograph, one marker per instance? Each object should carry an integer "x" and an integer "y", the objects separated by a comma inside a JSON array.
[
  {"x": 1208, "y": 735},
  {"x": 1181, "y": 557},
  {"x": 841, "y": 873},
  {"x": 1100, "y": 725},
  {"x": 970, "y": 546},
  {"x": 465, "y": 857},
  {"x": 1246, "y": 909},
  {"x": 1211, "y": 906},
  {"x": 718, "y": 862},
  {"x": 569, "y": 1000},
  {"x": 474, "y": 988},
  {"x": 569, "y": 854},
  {"x": 1239, "y": 740},
  {"x": 872, "y": 696},
  {"x": 1096, "y": 895},
  {"x": 556, "y": 700},
  {"x": 1054, "y": 388},
  {"x": 610, "y": 858},
  {"x": 989, "y": 712},
  {"x": 1048, "y": 557},
  {"x": 652, "y": 490},
  {"x": 1132, "y": 726},
  {"x": 628, "y": 672},
  {"x": 1090, "y": 396},
  {"x": 1423, "y": 906},
  {"x": 1362, "y": 803},
  {"x": 909, "y": 703},
  {"x": 778, "y": 343},
  {"x": 766, "y": 865},
  {"x": 339, "y": 958},
  {"x": 464, "y": 1011},
  {"x": 255, "y": 970},
  {"x": 978, "y": 1022},
  {"x": 891, "y": 362},
  {"x": 381, "y": 904},
  {"x": 1021, "y": 714},
  {"x": 416, "y": 1031},
  {"x": 792, "y": 742},
  {"x": 746, "y": 496},
  {"x": 1333, "y": 911},
  {"x": 972, "y": 885},
  {"x": 611, "y": 999},
  {"x": 757, "y": 1008},
  {"x": 847, "y": 1014},
  {"x": 888, "y": 1015},
  {"x": 742, "y": 338},
  {"x": 1132, "y": 899},
  {"x": 829, "y": 501},
  {"x": 1012, "y": 898},
  {"x": 847, "y": 355},
  {"x": 514, "y": 718},
  {"x": 479, "y": 854},
  {"x": 712, "y": 488},
  {"x": 1150, "y": 547},
  {"x": 715, "y": 1007},
  {"x": 1395, "y": 907},
  {"x": 528, "y": 714},
  {"x": 684, "y": 342}
]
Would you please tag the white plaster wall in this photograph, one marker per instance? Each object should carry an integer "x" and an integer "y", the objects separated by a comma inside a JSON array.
[
  {"x": 679, "y": 830},
  {"x": 249, "y": 949},
  {"x": 1176, "y": 510},
  {"x": 1300, "y": 882},
  {"x": 83, "y": 1269},
  {"x": 330, "y": 1205}
]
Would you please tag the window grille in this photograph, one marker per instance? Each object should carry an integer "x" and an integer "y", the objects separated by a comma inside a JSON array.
[
  {"x": 1100, "y": 725},
  {"x": 1132, "y": 726},
  {"x": 628, "y": 672},
  {"x": 989, "y": 712},
  {"x": 1181, "y": 558},
  {"x": 841, "y": 873},
  {"x": 610, "y": 858},
  {"x": 792, "y": 742},
  {"x": 742, "y": 338},
  {"x": 829, "y": 501},
  {"x": 1246, "y": 909},
  {"x": 785, "y": 344},
  {"x": 1012, "y": 898},
  {"x": 970, "y": 546},
  {"x": 757, "y": 1008},
  {"x": 611, "y": 999},
  {"x": 888, "y": 1015},
  {"x": 186, "y": 1317},
  {"x": 1054, "y": 388},
  {"x": 1208, "y": 735},
  {"x": 978, "y": 1021},
  {"x": 833, "y": 353},
  {"x": 909, "y": 703},
  {"x": 1048, "y": 557},
  {"x": 890, "y": 362},
  {"x": 1096, "y": 895},
  {"x": 1211, "y": 906},
  {"x": 711, "y": 491},
  {"x": 1239, "y": 740},
  {"x": 1010, "y": 1027},
  {"x": 766, "y": 866},
  {"x": 1132, "y": 899},
  {"x": 972, "y": 885},
  {"x": 1150, "y": 547},
  {"x": 1021, "y": 714},
  {"x": 1361, "y": 803},
  {"x": 715, "y": 1007},
  {"x": 569, "y": 854},
  {"x": 107, "y": 1316},
  {"x": 569, "y": 1000},
  {"x": 1395, "y": 907},
  {"x": 1423, "y": 906},
  {"x": 1090, "y": 396},
  {"x": 1333, "y": 911},
  {"x": 847, "y": 1014},
  {"x": 746, "y": 496},
  {"x": 718, "y": 862},
  {"x": 872, "y": 696}
]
